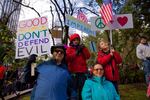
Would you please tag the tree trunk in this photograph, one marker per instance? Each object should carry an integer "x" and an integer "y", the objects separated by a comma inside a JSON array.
[{"x": 66, "y": 35}]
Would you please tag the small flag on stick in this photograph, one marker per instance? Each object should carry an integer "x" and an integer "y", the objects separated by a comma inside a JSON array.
[{"x": 106, "y": 11}]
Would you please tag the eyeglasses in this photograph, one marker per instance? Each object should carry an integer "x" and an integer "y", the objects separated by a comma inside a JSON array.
[
  {"x": 76, "y": 39},
  {"x": 59, "y": 51},
  {"x": 101, "y": 69}
]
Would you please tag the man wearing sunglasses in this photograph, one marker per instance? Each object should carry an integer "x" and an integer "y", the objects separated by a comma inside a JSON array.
[{"x": 53, "y": 80}]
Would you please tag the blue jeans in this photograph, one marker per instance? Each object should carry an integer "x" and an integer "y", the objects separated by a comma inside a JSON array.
[
  {"x": 146, "y": 69},
  {"x": 78, "y": 82}
]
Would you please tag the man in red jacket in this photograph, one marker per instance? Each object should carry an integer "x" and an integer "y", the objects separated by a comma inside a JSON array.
[
  {"x": 76, "y": 55},
  {"x": 109, "y": 58}
]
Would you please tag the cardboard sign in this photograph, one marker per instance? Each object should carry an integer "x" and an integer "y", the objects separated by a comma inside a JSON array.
[
  {"x": 78, "y": 24},
  {"x": 121, "y": 21},
  {"x": 33, "y": 37}
]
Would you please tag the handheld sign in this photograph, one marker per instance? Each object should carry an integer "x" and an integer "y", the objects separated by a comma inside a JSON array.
[
  {"x": 121, "y": 21},
  {"x": 33, "y": 37}
]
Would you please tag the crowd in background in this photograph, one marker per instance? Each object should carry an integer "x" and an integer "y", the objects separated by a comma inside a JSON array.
[{"x": 11, "y": 81}]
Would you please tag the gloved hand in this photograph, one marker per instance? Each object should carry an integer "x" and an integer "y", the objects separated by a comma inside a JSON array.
[
  {"x": 79, "y": 49},
  {"x": 148, "y": 58}
]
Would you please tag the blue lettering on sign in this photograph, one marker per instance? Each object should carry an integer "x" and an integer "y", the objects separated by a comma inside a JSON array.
[
  {"x": 31, "y": 35},
  {"x": 79, "y": 26},
  {"x": 33, "y": 42}
]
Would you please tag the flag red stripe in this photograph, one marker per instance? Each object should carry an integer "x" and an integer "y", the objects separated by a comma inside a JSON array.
[{"x": 106, "y": 12}]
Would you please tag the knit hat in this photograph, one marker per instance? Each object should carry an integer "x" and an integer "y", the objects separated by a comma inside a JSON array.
[
  {"x": 74, "y": 36},
  {"x": 32, "y": 58},
  {"x": 61, "y": 46}
]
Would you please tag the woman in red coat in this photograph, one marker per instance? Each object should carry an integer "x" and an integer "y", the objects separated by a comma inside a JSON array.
[
  {"x": 109, "y": 58},
  {"x": 77, "y": 55}
]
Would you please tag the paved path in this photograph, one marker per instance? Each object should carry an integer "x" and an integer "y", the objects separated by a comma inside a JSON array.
[{"x": 17, "y": 93}]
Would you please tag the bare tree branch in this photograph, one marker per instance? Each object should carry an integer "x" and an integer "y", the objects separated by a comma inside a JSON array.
[
  {"x": 28, "y": 7},
  {"x": 58, "y": 14},
  {"x": 57, "y": 5},
  {"x": 51, "y": 10},
  {"x": 65, "y": 7},
  {"x": 6, "y": 16},
  {"x": 89, "y": 10},
  {"x": 71, "y": 8}
]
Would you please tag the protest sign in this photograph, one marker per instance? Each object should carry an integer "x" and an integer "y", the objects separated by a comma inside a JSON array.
[
  {"x": 121, "y": 21},
  {"x": 33, "y": 37},
  {"x": 78, "y": 24}
]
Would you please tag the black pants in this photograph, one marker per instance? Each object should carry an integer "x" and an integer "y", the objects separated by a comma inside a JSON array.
[
  {"x": 1, "y": 89},
  {"x": 78, "y": 82}
]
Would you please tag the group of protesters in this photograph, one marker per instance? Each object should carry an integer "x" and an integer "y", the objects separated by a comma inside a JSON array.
[{"x": 65, "y": 75}]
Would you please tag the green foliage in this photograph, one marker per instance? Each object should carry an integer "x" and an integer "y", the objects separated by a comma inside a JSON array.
[
  {"x": 7, "y": 47},
  {"x": 131, "y": 74}
]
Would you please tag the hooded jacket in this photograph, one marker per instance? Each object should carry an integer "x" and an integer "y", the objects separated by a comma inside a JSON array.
[
  {"x": 110, "y": 64},
  {"x": 52, "y": 82},
  {"x": 73, "y": 36},
  {"x": 98, "y": 88},
  {"x": 77, "y": 63},
  {"x": 2, "y": 72}
]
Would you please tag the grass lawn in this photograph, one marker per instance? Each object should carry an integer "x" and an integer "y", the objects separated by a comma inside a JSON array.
[{"x": 136, "y": 91}]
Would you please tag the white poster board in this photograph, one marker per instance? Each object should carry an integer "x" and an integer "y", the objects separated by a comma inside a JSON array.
[
  {"x": 32, "y": 37},
  {"x": 121, "y": 21},
  {"x": 78, "y": 24}
]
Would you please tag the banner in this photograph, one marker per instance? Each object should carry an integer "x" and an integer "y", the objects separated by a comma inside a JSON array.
[
  {"x": 33, "y": 37},
  {"x": 78, "y": 24},
  {"x": 121, "y": 21}
]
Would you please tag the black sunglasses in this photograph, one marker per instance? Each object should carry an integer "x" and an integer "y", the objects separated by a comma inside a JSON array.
[
  {"x": 59, "y": 51},
  {"x": 101, "y": 69}
]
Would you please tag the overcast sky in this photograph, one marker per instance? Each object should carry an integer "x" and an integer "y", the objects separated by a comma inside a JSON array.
[{"x": 40, "y": 5}]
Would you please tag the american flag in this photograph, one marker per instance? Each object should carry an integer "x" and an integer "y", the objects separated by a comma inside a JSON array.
[
  {"x": 106, "y": 11},
  {"x": 82, "y": 17}
]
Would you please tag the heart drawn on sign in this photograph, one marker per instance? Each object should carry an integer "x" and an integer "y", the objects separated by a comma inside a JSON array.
[{"x": 122, "y": 20}]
